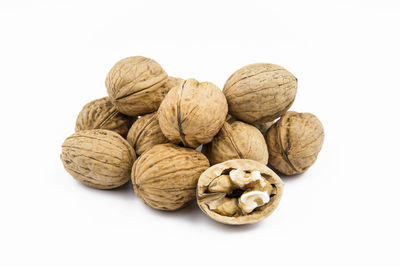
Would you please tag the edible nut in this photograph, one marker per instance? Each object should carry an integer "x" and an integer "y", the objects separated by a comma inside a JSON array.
[
  {"x": 239, "y": 191},
  {"x": 192, "y": 113},
  {"x": 98, "y": 158},
  {"x": 237, "y": 140},
  {"x": 260, "y": 92},
  {"x": 263, "y": 126},
  {"x": 137, "y": 85},
  {"x": 294, "y": 142},
  {"x": 165, "y": 177},
  {"x": 145, "y": 133},
  {"x": 102, "y": 114}
]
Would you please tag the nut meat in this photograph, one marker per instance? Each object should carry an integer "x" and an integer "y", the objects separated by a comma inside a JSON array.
[
  {"x": 260, "y": 92},
  {"x": 146, "y": 133},
  {"x": 102, "y": 114},
  {"x": 294, "y": 142},
  {"x": 165, "y": 177},
  {"x": 192, "y": 113},
  {"x": 98, "y": 158},
  {"x": 237, "y": 140},
  {"x": 137, "y": 85},
  {"x": 239, "y": 191}
]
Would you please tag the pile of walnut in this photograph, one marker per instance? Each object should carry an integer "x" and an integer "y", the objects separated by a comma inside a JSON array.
[{"x": 149, "y": 126}]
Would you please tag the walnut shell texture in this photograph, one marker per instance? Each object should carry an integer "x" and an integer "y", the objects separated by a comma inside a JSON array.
[
  {"x": 165, "y": 177},
  {"x": 192, "y": 113},
  {"x": 260, "y": 92},
  {"x": 294, "y": 142},
  {"x": 135, "y": 85},
  {"x": 264, "y": 126},
  {"x": 237, "y": 140},
  {"x": 204, "y": 197},
  {"x": 146, "y": 133},
  {"x": 98, "y": 158},
  {"x": 102, "y": 114}
]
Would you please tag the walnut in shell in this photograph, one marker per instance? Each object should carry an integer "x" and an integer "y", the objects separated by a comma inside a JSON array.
[
  {"x": 239, "y": 191},
  {"x": 146, "y": 133},
  {"x": 102, "y": 114},
  {"x": 260, "y": 92},
  {"x": 192, "y": 113},
  {"x": 137, "y": 85},
  {"x": 237, "y": 140},
  {"x": 165, "y": 177},
  {"x": 98, "y": 158},
  {"x": 294, "y": 142}
]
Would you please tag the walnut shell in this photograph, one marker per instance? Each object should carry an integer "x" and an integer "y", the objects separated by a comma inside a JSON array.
[
  {"x": 237, "y": 140},
  {"x": 135, "y": 85},
  {"x": 260, "y": 92},
  {"x": 165, "y": 177},
  {"x": 98, "y": 158},
  {"x": 146, "y": 133},
  {"x": 294, "y": 142},
  {"x": 205, "y": 198},
  {"x": 102, "y": 114},
  {"x": 192, "y": 113},
  {"x": 263, "y": 126}
]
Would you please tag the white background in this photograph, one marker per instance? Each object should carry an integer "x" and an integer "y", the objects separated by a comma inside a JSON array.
[{"x": 54, "y": 56}]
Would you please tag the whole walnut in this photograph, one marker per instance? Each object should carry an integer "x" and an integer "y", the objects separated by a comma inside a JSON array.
[
  {"x": 165, "y": 177},
  {"x": 264, "y": 126},
  {"x": 237, "y": 140},
  {"x": 102, "y": 114},
  {"x": 98, "y": 158},
  {"x": 260, "y": 92},
  {"x": 192, "y": 113},
  {"x": 239, "y": 191},
  {"x": 294, "y": 142},
  {"x": 137, "y": 85},
  {"x": 146, "y": 133}
]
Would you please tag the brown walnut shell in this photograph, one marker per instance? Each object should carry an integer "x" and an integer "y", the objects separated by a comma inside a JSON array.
[
  {"x": 260, "y": 92},
  {"x": 165, "y": 177},
  {"x": 135, "y": 85},
  {"x": 237, "y": 140},
  {"x": 294, "y": 142},
  {"x": 98, "y": 158},
  {"x": 146, "y": 133},
  {"x": 102, "y": 114},
  {"x": 205, "y": 198},
  {"x": 264, "y": 126},
  {"x": 192, "y": 113}
]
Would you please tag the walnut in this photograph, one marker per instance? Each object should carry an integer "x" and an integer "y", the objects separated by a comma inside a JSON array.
[
  {"x": 237, "y": 140},
  {"x": 98, "y": 158},
  {"x": 264, "y": 126},
  {"x": 102, "y": 114},
  {"x": 165, "y": 177},
  {"x": 146, "y": 133},
  {"x": 260, "y": 92},
  {"x": 239, "y": 191},
  {"x": 137, "y": 85},
  {"x": 294, "y": 142},
  {"x": 192, "y": 113}
]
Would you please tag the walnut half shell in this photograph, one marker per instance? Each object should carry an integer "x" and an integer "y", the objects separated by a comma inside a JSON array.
[{"x": 235, "y": 199}]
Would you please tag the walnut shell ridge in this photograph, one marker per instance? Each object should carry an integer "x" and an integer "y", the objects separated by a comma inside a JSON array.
[
  {"x": 135, "y": 85},
  {"x": 260, "y": 92},
  {"x": 237, "y": 140},
  {"x": 165, "y": 177},
  {"x": 102, "y": 114},
  {"x": 146, "y": 133},
  {"x": 192, "y": 113},
  {"x": 98, "y": 158},
  {"x": 204, "y": 197},
  {"x": 294, "y": 142}
]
